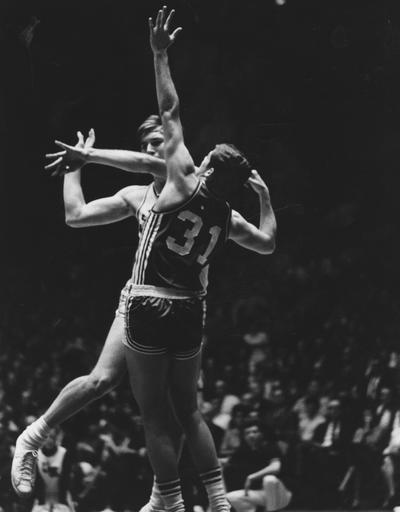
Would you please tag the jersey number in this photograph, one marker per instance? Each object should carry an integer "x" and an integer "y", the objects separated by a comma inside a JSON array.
[{"x": 190, "y": 235}]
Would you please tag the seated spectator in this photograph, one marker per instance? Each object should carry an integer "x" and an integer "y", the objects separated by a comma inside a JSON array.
[
  {"x": 253, "y": 471},
  {"x": 384, "y": 410},
  {"x": 366, "y": 455},
  {"x": 52, "y": 488},
  {"x": 223, "y": 403},
  {"x": 313, "y": 390},
  {"x": 233, "y": 435},
  {"x": 309, "y": 419},
  {"x": 391, "y": 462},
  {"x": 331, "y": 441}
]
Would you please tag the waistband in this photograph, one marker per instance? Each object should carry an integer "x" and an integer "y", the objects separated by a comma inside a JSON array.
[{"x": 148, "y": 290}]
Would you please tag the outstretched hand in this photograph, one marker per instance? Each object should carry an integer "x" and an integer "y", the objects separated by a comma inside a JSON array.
[
  {"x": 71, "y": 158},
  {"x": 160, "y": 36}
]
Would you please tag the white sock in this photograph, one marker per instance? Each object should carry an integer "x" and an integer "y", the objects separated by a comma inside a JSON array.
[
  {"x": 155, "y": 501},
  {"x": 171, "y": 495},
  {"x": 36, "y": 433},
  {"x": 215, "y": 488}
]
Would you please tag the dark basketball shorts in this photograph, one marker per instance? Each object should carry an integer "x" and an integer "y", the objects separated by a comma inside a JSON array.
[{"x": 163, "y": 321}]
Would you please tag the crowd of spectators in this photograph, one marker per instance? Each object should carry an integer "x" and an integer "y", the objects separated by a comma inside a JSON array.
[{"x": 317, "y": 374}]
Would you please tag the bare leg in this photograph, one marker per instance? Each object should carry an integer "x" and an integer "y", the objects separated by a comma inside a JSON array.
[
  {"x": 183, "y": 389},
  {"x": 107, "y": 373},
  {"x": 149, "y": 382},
  {"x": 73, "y": 397}
]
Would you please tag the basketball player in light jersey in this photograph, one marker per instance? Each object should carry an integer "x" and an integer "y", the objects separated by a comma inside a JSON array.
[
  {"x": 111, "y": 366},
  {"x": 54, "y": 470},
  {"x": 187, "y": 226}
]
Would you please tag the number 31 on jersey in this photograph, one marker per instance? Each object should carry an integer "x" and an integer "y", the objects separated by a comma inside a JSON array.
[{"x": 190, "y": 236}]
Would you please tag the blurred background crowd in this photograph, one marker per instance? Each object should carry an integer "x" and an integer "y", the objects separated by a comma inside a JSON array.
[
  {"x": 322, "y": 382},
  {"x": 305, "y": 341}
]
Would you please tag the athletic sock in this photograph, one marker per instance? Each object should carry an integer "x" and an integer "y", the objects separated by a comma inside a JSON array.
[
  {"x": 215, "y": 488},
  {"x": 171, "y": 495},
  {"x": 36, "y": 433},
  {"x": 156, "y": 502}
]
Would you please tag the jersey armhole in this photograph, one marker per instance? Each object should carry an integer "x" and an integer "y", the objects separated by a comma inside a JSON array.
[{"x": 142, "y": 203}]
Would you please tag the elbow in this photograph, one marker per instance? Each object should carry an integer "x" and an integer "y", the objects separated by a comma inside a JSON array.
[
  {"x": 267, "y": 246},
  {"x": 169, "y": 109},
  {"x": 72, "y": 221}
]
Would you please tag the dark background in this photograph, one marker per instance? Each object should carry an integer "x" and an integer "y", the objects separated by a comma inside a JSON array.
[{"x": 309, "y": 90}]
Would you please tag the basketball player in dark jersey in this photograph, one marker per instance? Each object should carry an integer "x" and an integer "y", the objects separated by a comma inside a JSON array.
[
  {"x": 111, "y": 366},
  {"x": 187, "y": 226}
]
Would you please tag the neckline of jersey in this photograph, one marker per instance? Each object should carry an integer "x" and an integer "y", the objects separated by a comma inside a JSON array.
[{"x": 194, "y": 193}]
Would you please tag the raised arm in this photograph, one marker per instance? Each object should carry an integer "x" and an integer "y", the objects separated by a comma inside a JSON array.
[
  {"x": 78, "y": 213},
  {"x": 261, "y": 239},
  {"x": 72, "y": 158},
  {"x": 179, "y": 161}
]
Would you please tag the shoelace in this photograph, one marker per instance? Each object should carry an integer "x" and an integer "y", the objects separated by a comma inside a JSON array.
[{"x": 28, "y": 462}]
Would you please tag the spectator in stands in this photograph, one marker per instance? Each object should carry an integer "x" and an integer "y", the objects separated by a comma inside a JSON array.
[
  {"x": 253, "y": 471},
  {"x": 332, "y": 441},
  {"x": 391, "y": 462},
  {"x": 52, "y": 488},
  {"x": 233, "y": 435},
  {"x": 223, "y": 403}
]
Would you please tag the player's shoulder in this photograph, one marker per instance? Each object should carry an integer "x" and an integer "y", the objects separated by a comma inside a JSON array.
[
  {"x": 133, "y": 196},
  {"x": 133, "y": 192}
]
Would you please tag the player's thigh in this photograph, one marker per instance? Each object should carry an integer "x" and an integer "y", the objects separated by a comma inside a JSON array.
[
  {"x": 112, "y": 358},
  {"x": 183, "y": 382},
  {"x": 148, "y": 375}
]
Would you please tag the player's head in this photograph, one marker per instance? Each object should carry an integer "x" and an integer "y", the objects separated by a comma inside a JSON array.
[
  {"x": 151, "y": 136},
  {"x": 227, "y": 170}
]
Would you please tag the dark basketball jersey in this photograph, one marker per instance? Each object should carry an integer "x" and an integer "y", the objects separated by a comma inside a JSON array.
[{"x": 175, "y": 247}]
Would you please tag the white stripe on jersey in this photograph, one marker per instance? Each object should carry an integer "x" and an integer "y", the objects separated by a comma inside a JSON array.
[
  {"x": 150, "y": 245},
  {"x": 145, "y": 244}
]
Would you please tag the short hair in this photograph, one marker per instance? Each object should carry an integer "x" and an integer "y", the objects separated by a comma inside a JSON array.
[
  {"x": 226, "y": 158},
  {"x": 150, "y": 124},
  {"x": 251, "y": 422}
]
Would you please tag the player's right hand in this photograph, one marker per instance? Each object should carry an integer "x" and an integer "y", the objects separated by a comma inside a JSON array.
[
  {"x": 160, "y": 36},
  {"x": 71, "y": 158}
]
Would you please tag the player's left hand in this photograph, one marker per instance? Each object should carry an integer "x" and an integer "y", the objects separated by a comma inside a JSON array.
[
  {"x": 257, "y": 184},
  {"x": 160, "y": 36},
  {"x": 71, "y": 158}
]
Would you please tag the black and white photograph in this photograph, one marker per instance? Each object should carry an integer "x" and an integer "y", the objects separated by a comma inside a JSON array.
[{"x": 200, "y": 255}]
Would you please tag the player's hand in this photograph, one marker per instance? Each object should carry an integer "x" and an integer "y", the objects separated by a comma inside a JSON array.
[
  {"x": 257, "y": 184},
  {"x": 160, "y": 36},
  {"x": 71, "y": 158}
]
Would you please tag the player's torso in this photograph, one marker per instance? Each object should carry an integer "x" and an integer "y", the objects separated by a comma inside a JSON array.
[
  {"x": 176, "y": 247},
  {"x": 149, "y": 198}
]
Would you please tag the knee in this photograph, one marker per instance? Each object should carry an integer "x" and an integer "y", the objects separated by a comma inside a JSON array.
[
  {"x": 270, "y": 481},
  {"x": 101, "y": 383},
  {"x": 234, "y": 496},
  {"x": 187, "y": 414}
]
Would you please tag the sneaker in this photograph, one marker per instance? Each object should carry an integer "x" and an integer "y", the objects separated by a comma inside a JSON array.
[{"x": 23, "y": 470}]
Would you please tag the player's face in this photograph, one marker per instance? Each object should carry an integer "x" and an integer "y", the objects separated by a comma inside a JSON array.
[{"x": 153, "y": 143}]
